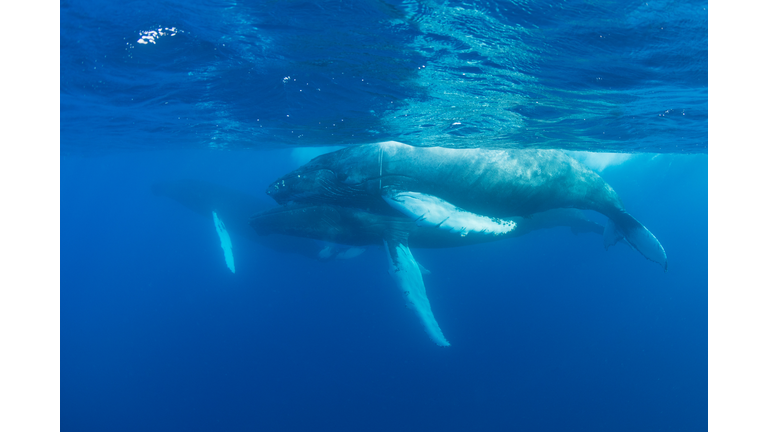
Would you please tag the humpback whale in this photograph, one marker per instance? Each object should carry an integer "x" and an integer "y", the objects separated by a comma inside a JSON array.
[
  {"x": 434, "y": 184},
  {"x": 459, "y": 192}
]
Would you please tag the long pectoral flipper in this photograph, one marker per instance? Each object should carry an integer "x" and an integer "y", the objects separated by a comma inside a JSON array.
[
  {"x": 226, "y": 242},
  {"x": 623, "y": 225},
  {"x": 405, "y": 270},
  {"x": 430, "y": 210}
]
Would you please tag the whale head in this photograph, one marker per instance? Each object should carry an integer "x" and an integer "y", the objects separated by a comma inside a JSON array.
[
  {"x": 301, "y": 185},
  {"x": 339, "y": 177}
]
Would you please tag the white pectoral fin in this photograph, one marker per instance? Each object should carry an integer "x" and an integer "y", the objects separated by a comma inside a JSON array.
[
  {"x": 428, "y": 210},
  {"x": 226, "y": 242},
  {"x": 405, "y": 270}
]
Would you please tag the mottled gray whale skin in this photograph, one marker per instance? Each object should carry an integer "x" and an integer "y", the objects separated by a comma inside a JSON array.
[{"x": 495, "y": 183}]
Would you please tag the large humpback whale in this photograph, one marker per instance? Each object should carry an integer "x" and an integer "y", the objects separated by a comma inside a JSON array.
[
  {"x": 464, "y": 192},
  {"x": 433, "y": 185}
]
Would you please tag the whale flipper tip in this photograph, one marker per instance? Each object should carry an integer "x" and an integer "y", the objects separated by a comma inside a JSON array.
[{"x": 638, "y": 236}]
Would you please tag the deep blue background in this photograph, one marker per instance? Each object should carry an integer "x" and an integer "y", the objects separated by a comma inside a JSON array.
[{"x": 548, "y": 331}]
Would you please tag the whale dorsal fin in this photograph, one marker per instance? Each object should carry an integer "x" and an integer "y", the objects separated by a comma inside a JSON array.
[
  {"x": 428, "y": 210},
  {"x": 405, "y": 270}
]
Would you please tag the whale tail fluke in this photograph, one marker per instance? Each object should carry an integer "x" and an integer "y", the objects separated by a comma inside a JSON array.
[{"x": 623, "y": 225}]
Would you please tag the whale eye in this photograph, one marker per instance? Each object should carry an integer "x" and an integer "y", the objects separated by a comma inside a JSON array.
[{"x": 341, "y": 176}]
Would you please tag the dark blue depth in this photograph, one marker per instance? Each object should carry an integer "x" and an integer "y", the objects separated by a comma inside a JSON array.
[{"x": 549, "y": 332}]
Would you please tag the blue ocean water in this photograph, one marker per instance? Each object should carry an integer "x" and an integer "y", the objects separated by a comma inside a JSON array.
[{"x": 548, "y": 331}]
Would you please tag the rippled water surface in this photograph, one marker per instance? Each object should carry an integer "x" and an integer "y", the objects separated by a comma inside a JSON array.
[{"x": 620, "y": 76}]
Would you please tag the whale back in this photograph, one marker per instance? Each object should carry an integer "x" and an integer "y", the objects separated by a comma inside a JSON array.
[{"x": 498, "y": 183}]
